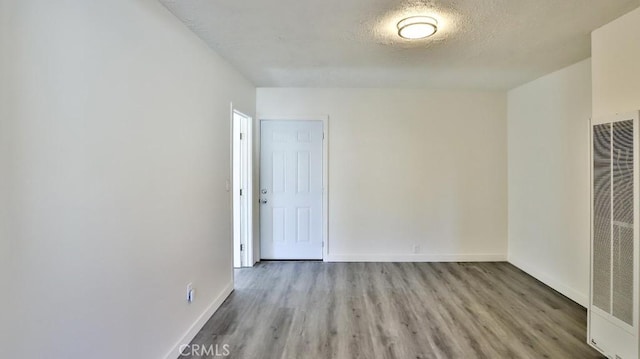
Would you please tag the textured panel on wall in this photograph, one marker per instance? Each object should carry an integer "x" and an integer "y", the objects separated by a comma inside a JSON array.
[
  {"x": 602, "y": 217},
  {"x": 622, "y": 254},
  {"x": 613, "y": 309}
]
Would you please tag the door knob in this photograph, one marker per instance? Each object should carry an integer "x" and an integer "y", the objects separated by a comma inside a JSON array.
[{"x": 263, "y": 201}]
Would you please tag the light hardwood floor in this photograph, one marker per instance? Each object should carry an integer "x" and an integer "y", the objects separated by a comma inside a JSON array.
[{"x": 395, "y": 310}]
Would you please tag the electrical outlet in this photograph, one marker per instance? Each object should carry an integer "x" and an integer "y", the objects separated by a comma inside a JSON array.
[
  {"x": 190, "y": 293},
  {"x": 416, "y": 249}
]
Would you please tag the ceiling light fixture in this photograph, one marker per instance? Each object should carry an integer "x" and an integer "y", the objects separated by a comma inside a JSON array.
[{"x": 417, "y": 27}]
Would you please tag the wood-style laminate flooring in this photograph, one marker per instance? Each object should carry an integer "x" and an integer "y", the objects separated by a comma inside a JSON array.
[{"x": 394, "y": 310}]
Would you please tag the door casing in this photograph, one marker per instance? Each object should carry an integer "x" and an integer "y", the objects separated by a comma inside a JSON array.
[{"x": 242, "y": 221}]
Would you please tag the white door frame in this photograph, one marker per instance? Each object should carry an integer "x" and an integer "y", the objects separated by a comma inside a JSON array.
[
  {"x": 325, "y": 169},
  {"x": 246, "y": 256}
]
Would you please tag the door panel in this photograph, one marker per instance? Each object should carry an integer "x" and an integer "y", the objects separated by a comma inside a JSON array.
[{"x": 291, "y": 189}]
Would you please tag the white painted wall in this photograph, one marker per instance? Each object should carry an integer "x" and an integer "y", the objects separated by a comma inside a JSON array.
[
  {"x": 616, "y": 75},
  {"x": 114, "y": 152},
  {"x": 409, "y": 167},
  {"x": 548, "y": 121},
  {"x": 6, "y": 259}
]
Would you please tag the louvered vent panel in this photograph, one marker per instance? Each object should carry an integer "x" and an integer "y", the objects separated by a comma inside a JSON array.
[
  {"x": 602, "y": 217},
  {"x": 623, "y": 273},
  {"x": 622, "y": 254}
]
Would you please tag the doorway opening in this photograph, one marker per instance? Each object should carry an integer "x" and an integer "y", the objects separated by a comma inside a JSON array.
[{"x": 242, "y": 191}]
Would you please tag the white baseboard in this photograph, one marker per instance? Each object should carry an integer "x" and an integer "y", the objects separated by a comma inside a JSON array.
[
  {"x": 567, "y": 291},
  {"x": 200, "y": 322},
  {"x": 416, "y": 258}
]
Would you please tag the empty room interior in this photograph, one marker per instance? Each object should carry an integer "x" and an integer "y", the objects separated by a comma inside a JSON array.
[{"x": 320, "y": 179}]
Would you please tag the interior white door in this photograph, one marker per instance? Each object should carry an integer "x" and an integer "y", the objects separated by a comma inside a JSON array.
[{"x": 291, "y": 189}]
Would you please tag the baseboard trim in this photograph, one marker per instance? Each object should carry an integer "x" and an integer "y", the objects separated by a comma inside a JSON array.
[
  {"x": 200, "y": 322},
  {"x": 416, "y": 258},
  {"x": 565, "y": 290}
]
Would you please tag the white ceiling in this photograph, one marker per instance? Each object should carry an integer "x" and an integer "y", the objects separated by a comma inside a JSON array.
[{"x": 481, "y": 44}]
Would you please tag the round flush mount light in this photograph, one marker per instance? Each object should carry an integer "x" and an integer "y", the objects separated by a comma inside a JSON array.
[{"x": 417, "y": 27}]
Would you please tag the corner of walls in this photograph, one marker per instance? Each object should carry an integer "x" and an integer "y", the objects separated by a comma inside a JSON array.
[
  {"x": 556, "y": 284},
  {"x": 191, "y": 333},
  {"x": 548, "y": 179}
]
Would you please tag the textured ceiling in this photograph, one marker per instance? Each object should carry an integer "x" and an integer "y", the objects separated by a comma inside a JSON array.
[{"x": 481, "y": 44}]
